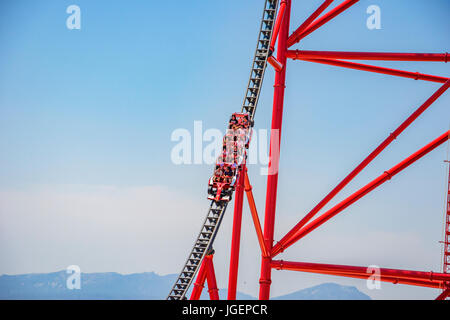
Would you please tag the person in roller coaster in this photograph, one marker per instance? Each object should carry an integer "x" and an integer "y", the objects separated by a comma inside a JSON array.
[
  {"x": 239, "y": 121},
  {"x": 229, "y": 144},
  {"x": 229, "y": 157},
  {"x": 218, "y": 174},
  {"x": 240, "y": 150},
  {"x": 229, "y": 136},
  {"x": 228, "y": 174},
  {"x": 233, "y": 121},
  {"x": 244, "y": 122}
]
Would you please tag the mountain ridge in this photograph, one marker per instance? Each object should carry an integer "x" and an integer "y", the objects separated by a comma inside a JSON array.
[{"x": 136, "y": 286}]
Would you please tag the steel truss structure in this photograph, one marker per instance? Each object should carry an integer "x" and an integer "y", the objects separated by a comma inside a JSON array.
[{"x": 275, "y": 31}]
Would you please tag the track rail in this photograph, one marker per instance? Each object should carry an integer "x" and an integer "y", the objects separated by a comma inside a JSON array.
[
  {"x": 260, "y": 59},
  {"x": 202, "y": 246},
  {"x": 208, "y": 231}
]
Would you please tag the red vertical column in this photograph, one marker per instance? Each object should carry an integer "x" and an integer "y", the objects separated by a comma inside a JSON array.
[
  {"x": 236, "y": 237},
  {"x": 272, "y": 180}
]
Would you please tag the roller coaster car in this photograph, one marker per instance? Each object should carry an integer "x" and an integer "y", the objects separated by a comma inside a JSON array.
[
  {"x": 234, "y": 155},
  {"x": 221, "y": 184},
  {"x": 239, "y": 121},
  {"x": 238, "y": 134}
]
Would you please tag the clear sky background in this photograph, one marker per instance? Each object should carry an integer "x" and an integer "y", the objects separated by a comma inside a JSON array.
[{"x": 86, "y": 117}]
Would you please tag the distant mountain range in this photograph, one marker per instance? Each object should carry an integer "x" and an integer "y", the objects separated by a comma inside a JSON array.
[
  {"x": 326, "y": 291},
  {"x": 107, "y": 286},
  {"x": 137, "y": 286}
]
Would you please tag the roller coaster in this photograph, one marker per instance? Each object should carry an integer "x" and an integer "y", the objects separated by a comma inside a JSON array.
[{"x": 230, "y": 172}]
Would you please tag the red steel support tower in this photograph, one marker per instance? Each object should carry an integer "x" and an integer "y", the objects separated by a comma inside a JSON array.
[{"x": 305, "y": 226}]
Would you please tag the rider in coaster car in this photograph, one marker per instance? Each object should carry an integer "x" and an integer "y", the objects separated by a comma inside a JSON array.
[
  {"x": 220, "y": 159},
  {"x": 243, "y": 121},
  {"x": 229, "y": 136},
  {"x": 228, "y": 173},
  {"x": 240, "y": 146},
  {"x": 233, "y": 121},
  {"x": 218, "y": 174}
]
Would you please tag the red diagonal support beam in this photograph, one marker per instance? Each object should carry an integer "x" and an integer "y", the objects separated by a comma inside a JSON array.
[
  {"x": 386, "y": 56},
  {"x": 278, "y": 247},
  {"x": 199, "y": 282},
  {"x": 325, "y": 18},
  {"x": 294, "y": 37},
  {"x": 421, "y": 278},
  {"x": 275, "y": 63},
  {"x": 387, "y": 175},
  {"x": 255, "y": 217},
  {"x": 444, "y": 294},
  {"x": 211, "y": 278},
  {"x": 376, "y": 69}
]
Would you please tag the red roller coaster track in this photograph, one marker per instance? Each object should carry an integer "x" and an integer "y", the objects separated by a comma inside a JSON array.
[{"x": 307, "y": 224}]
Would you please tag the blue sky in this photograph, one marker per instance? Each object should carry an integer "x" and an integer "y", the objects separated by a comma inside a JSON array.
[{"x": 93, "y": 109}]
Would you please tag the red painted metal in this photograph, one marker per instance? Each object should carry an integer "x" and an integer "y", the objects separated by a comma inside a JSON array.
[
  {"x": 255, "y": 217},
  {"x": 393, "y": 280},
  {"x": 328, "y": 57},
  {"x": 386, "y": 56},
  {"x": 236, "y": 237},
  {"x": 387, "y": 175},
  {"x": 324, "y": 19},
  {"x": 294, "y": 37},
  {"x": 275, "y": 63},
  {"x": 445, "y": 294},
  {"x": 206, "y": 273},
  {"x": 278, "y": 21},
  {"x": 430, "y": 279},
  {"x": 200, "y": 281},
  {"x": 376, "y": 69},
  {"x": 282, "y": 243},
  {"x": 272, "y": 179},
  {"x": 211, "y": 278},
  {"x": 304, "y": 30}
]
